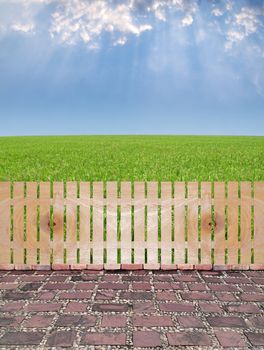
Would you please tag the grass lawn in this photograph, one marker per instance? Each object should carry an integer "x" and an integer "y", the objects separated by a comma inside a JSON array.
[{"x": 167, "y": 158}]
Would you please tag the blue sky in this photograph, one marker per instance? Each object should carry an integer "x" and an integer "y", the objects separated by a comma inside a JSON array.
[{"x": 131, "y": 67}]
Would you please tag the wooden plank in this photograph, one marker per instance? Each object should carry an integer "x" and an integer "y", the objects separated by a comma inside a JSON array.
[
  {"x": 44, "y": 242},
  {"x": 71, "y": 222},
  {"x": 166, "y": 224},
  {"x": 193, "y": 223},
  {"x": 111, "y": 220},
  {"x": 220, "y": 242},
  {"x": 232, "y": 241},
  {"x": 259, "y": 222},
  {"x": 5, "y": 245},
  {"x": 139, "y": 221},
  {"x": 206, "y": 223},
  {"x": 31, "y": 223},
  {"x": 84, "y": 243},
  {"x": 152, "y": 223},
  {"x": 58, "y": 244},
  {"x": 179, "y": 222},
  {"x": 245, "y": 223},
  {"x": 125, "y": 224},
  {"x": 18, "y": 217},
  {"x": 98, "y": 223}
]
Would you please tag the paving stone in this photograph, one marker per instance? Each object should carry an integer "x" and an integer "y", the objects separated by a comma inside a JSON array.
[
  {"x": 252, "y": 297},
  {"x": 223, "y": 288},
  {"x": 45, "y": 295},
  {"x": 210, "y": 307},
  {"x": 256, "y": 339},
  {"x": 226, "y": 321},
  {"x": 110, "y": 278},
  {"x": 58, "y": 286},
  {"x": 243, "y": 308},
  {"x": 110, "y": 307},
  {"x": 8, "y": 278},
  {"x": 75, "y": 295},
  {"x": 144, "y": 307},
  {"x": 38, "y": 321},
  {"x": 229, "y": 339},
  {"x": 197, "y": 286},
  {"x": 61, "y": 339},
  {"x": 12, "y": 306},
  {"x": 18, "y": 295},
  {"x": 141, "y": 286},
  {"x": 10, "y": 321},
  {"x": 259, "y": 281},
  {"x": 197, "y": 296},
  {"x": 133, "y": 278},
  {"x": 59, "y": 278},
  {"x": 21, "y": 338},
  {"x": 136, "y": 295},
  {"x": 8, "y": 286},
  {"x": 104, "y": 339},
  {"x": 146, "y": 339},
  {"x": 167, "y": 295},
  {"x": 226, "y": 297},
  {"x": 114, "y": 321},
  {"x": 189, "y": 339},
  {"x": 109, "y": 285},
  {"x": 190, "y": 322},
  {"x": 84, "y": 285},
  {"x": 74, "y": 306},
  {"x": 42, "y": 307},
  {"x": 30, "y": 286},
  {"x": 152, "y": 321},
  {"x": 76, "y": 320},
  {"x": 105, "y": 295},
  {"x": 257, "y": 322},
  {"x": 176, "y": 307}
]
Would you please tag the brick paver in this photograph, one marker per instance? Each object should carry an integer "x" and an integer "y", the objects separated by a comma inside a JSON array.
[{"x": 131, "y": 309}]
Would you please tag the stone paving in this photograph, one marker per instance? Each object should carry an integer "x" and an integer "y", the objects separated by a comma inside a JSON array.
[{"x": 132, "y": 309}]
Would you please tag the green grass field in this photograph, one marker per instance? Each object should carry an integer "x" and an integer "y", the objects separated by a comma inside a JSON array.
[{"x": 168, "y": 158}]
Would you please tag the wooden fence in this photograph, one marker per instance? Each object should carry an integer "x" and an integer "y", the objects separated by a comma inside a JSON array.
[{"x": 152, "y": 225}]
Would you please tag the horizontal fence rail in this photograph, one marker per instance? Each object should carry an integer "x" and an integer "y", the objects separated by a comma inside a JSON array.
[{"x": 148, "y": 224}]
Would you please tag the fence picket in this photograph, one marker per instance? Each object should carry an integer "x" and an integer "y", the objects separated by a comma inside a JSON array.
[
  {"x": 166, "y": 224},
  {"x": 192, "y": 223},
  {"x": 84, "y": 243},
  {"x": 71, "y": 222},
  {"x": 232, "y": 218},
  {"x": 57, "y": 224},
  {"x": 139, "y": 220},
  {"x": 152, "y": 224},
  {"x": 18, "y": 222},
  {"x": 220, "y": 242},
  {"x": 125, "y": 223},
  {"x": 245, "y": 223},
  {"x": 5, "y": 220},
  {"x": 44, "y": 241},
  {"x": 98, "y": 224},
  {"x": 259, "y": 222},
  {"x": 206, "y": 223},
  {"x": 111, "y": 222},
  {"x": 179, "y": 222},
  {"x": 31, "y": 223}
]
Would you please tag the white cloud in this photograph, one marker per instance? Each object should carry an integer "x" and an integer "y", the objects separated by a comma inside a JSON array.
[
  {"x": 25, "y": 28},
  {"x": 244, "y": 24},
  {"x": 79, "y": 20},
  {"x": 187, "y": 20},
  {"x": 217, "y": 12}
]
